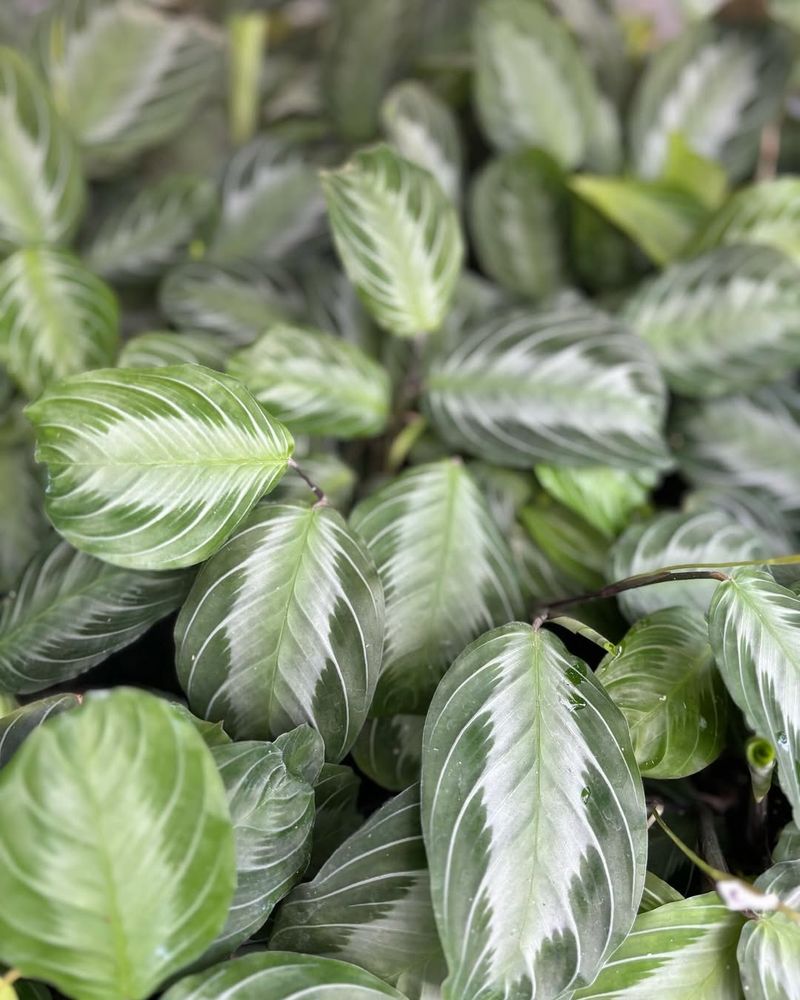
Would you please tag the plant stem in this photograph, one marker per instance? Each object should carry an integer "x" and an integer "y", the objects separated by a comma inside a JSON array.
[
  {"x": 247, "y": 38},
  {"x": 322, "y": 500},
  {"x": 11, "y": 977}
]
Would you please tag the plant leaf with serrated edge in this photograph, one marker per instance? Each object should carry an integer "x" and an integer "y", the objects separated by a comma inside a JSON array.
[
  {"x": 534, "y": 818},
  {"x": 603, "y": 496},
  {"x": 657, "y": 893},
  {"x": 97, "y": 797},
  {"x": 18, "y": 724},
  {"x": 447, "y": 574},
  {"x": 565, "y": 384},
  {"x": 337, "y": 814},
  {"x": 70, "y": 611},
  {"x": 154, "y": 468},
  {"x": 389, "y": 750},
  {"x": 664, "y": 681},
  {"x": 284, "y": 625},
  {"x": 162, "y": 348},
  {"x": 398, "y": 237},
  {"x": 769, "y": 947},
  {"x": 56, "y": 318}
]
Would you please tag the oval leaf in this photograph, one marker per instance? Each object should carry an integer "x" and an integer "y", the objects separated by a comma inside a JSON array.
[
  {"x": 15, "y": 726},
  {"x": 603, "y": 497},
  {"x": 162, "y": 348},
  {"x": 769, "y": 948}
]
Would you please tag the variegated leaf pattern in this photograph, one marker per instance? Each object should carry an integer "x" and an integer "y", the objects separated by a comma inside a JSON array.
[
  {"x": 715, "y": 86},
  {"x": 721, "y": 322},
  {"x": 752, "y": 509},
  {"x": 754, "y": 627},
  {"x": 283, "y": 626},
  {"x": 424, "y": 130},
  {"x": 282, "y": 976},
  {"x": 389, "y": 750},
  {"x": 603, "y": 496},
  {"x": 70, "y": 611},
  {"x": 370, "y": 903},
  {"x": 141, "y": 238},
  {"x": 769, "y": 948},
  {"x": 56, "y": 318},
  {"x": 683, "y": 949},
  {"x": 516, "y": 207},
  {"x": 100, "y": 795},
  {"x": 534, "y": 819},
  {"x": 761, "y": 214},
  {"x": 675, "y": 539},
  {"x": 156, "y": 70},
  {"x": 398, "y": 237},
  {"x": 154, "y": 468},
  {"x": 664, "y": 681},
  {"x": 271, "y": 801},
  {"x": 163, "y": 348},
  {"x": 521, "y": 50},
  {"x": 337, "y": 815},
  {"x": 565, "y": 384},
  {"x": 447, "y": 574},
  {"x": 787, "y": 847},
  {"x": 315, "y": 383},
  {"x": 19, "y": 724},
  {"x": 41, "y": 183},
  {"x": 657, "y": 893}
]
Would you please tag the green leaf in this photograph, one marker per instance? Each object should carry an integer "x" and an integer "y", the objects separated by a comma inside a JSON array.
[
  {"x": 398, "y": 238},
  {"x": 162, "y": 348},
  {"x": 447, "y": 574},
  {"x": 70, "y": 612},
  {"x": 516, "y": 214},
  {"x": 155, "y": 71},
  {"x": 316, "y": 383},
  {"x": 22, "y": 522},
  {"x": 565, "y": 384},
  {"x": 674, "y": 539},
  {"x": 679, "y": 950},
  {"x": 769, "y": 947},
  {"x": 284, "y": 625},
  {"x": 788, "y": 845},
  {"x": 715, "y": 86},
  {"x": 722, "y": 322},
  {"x": 370, "y": 903},
  {"x": 121, "y": 798},
  {"x": 424, "y": 130},
  {"x": 271, "y": 802},
  {"x": 603, "y": 496},
  {"x": 754, "y": 510},
  {"x": 754, "y": 628},
  {"x": 659, "y": 217},
  {"x": 534, "y": 818},
  {"x": 577, "y": 550},
  {"x": 657, "y": 893},
  {"x": 337, "y": 815},
  {"x": 17, "y": 725},
  {"x": 41, "y": 186},
  {"x": 704, "y": 179},
  {"x": 523, "y": 53},
  {"x": 141, "y": 238},
  {"x": 212, "y": 732},
  {"x": 282, "y": 976},
  {"x": 664, "y": 681},
  {"x": 56, "y": 318},
  {"x": 389, "y": 750},
  {"x": 154, "y": 468}
]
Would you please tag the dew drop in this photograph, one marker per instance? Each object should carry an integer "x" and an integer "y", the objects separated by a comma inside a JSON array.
[{"x": 782, "y": 738}]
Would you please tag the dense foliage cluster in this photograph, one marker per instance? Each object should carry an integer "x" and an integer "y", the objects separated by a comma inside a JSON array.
[{"x": 428, "y": 370}]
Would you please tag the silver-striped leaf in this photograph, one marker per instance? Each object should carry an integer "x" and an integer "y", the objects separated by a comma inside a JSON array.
[
  {"x": 787, "y": 847},
  {"x": 447, "y": 574},
  {"x": 657, "y": 893},
  {"x": 283, "y": 626},
  {"x": 754, "y": 628},
  {"x": 604, "y": 497},
  {"x": 370, "y": 903},
  {"x": 754, "y": 510},
  {"x": 56, "y": 318},
  {"x": 120, "y": 797},
  {"x": 565, "y": 384},
  {"x": 42, "y": 190},
  {"x": 398, "y": 237},
  {"x": 389, "y": 750},
  {"x": 337, "y": 814},
  {"x": 154, "y": 468},
  {"x": 70, "y": 611},
  {"x": 534, "y": 819},
  {"x": 769, "y": 947},
  {"x": 315, "y": 383},
  {"x": 766, "y": 213},
  {"x": 163, "y": 348},
  {"x": 684, "y": 949},
  {"x": 664, "y": 680},
  {"x": 721, "y": 322},
  {"x": 282, "y": 976},
  {"x": 19, "y": 724}
]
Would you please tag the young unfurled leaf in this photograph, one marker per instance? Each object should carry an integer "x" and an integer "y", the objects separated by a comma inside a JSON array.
[
  {"x": 162, "y": 348},
  {"x": 71, "y": 611},
  {"x": 56, "y": 318},
  {"x": 447, "y": 574},
  {"x": 603, "y": 496},
  {"x": 565, "y": 385},
  {"x": 154, "y": 468},
  {"x": 284, "y": 625},
  {"x": 534, "y": 818},
  {"x": 769, "y": 947},
  {"x": 389, "y": 749},
  {"x": 119, "y": 797},
  {"x": 370, "y": 903},
  {"x": 754, "y": 627},
  {"x": 337, "y": 814},
  {"x": 722, "y": 322},
  {"x": 316, "y": 383},
  {"x": 532, "y": 87},
  {"x": 398, "y": 237},
  {"x": 41, "y": 184},
  {"x": 665, "y": 682},
  {"x": 17, "y": 725}
]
